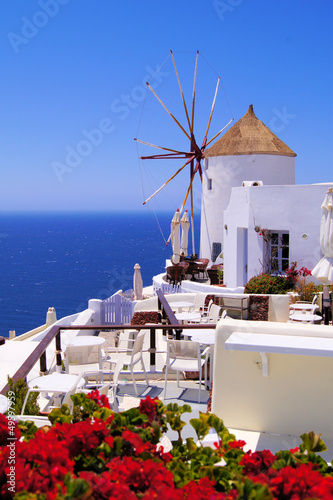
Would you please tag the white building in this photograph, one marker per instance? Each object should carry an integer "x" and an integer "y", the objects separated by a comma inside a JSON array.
[{"x": 249, "y": 186}]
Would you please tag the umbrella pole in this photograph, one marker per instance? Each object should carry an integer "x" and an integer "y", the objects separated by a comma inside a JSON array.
[{"x": 326, "y": 304}]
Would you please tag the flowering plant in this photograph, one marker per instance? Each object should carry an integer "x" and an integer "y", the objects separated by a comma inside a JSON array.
[
  {"x": 298, "y": 278},
  {"x": 106, "y": 455},
  {"x": 293, "y": 273}
]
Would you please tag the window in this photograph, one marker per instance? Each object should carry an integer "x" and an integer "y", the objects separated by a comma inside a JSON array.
[
  {"x": 216, "y": 250},
  {"x": 277, "y": 252},
  {"x": 209, "y": 184}
]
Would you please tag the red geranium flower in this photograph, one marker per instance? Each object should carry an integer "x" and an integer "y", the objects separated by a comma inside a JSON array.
[
  {"x": 140, "y": 475},
  {"x": 8, "y": 430},
  {"x": 100, "y": 399},
  {"x": 298, "y": 483},
  {"x": 259, "y": 461},
  {"x": 148, "y": 407},
  {"x": 237, "y": 444}
]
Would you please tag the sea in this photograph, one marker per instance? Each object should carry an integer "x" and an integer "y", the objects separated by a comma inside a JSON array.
[{"x": 62, "y": 260}]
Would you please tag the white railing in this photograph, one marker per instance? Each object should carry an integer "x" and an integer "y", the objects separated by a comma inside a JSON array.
[
  {"x": 168, "y": 288},
  {"x": 117, "y": 310}
]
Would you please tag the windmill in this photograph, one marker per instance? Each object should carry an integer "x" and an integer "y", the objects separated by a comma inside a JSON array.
[{"x": 194, "y": 156}]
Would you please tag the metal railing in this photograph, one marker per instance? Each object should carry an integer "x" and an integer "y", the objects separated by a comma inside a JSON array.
[{"x": 169, "y": 324}]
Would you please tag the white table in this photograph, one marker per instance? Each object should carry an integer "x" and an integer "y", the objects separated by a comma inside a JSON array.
[
  {"x": 305, "y": 317},
  {"x": 180, "y": 304},
  {"x": 56, "y": 382},
  {"x": 188, "y": 316},
  {"x": 304, "y": 307},
  {"x": 205, "y": 336},
  {"x": 86, "y": 341}
]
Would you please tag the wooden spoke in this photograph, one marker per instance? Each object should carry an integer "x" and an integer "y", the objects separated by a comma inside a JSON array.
[
  {"x": 159, "y": 147},
  {"x": 166, "y": 109},
  {"x": 213, "y": 106},
  {"x": 181, "y": 92},
  {"x": 167, "y": 156},
  {"x": 227, "y": 125},
  {"x": 194, "y": 86},
  {"x": 187, "y": 193},
  {"x": 167, "y": 182}
]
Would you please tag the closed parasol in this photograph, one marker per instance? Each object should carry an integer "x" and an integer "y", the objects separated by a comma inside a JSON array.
[
  {"x": 175, "y": 237},
  {"x": 323, "y": 271},
  {"x": 185, "y": 224}
]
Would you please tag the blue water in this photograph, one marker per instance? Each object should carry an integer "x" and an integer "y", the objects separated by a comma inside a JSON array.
[{"x": 63, "y": 260}]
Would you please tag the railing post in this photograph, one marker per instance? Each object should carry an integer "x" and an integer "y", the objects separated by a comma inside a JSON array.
[
  {"x": 42, "y": 364},
  {"x": 58, "y": 353},
  {"x": 152, "y": 349}
]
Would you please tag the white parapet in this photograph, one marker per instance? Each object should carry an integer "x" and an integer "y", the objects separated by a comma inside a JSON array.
[{"x": 290, "y": 394}]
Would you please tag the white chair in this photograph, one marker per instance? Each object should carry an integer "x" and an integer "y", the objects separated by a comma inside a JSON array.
[
  {"x": 185, "y": 356},
  {"x": 213, "y": 314},
  {"x": 312, "y": 305},
  {"x": 109, "y": 388},
  {"x": 199, "y": 303},
  {"x": 130, "y": 356}
]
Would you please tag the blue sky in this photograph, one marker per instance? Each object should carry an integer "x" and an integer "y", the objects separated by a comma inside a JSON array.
[{"x": 73, "y": 98}]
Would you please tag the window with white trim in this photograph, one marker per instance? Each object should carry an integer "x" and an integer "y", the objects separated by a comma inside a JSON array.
[{"x": 277, "y": 252}]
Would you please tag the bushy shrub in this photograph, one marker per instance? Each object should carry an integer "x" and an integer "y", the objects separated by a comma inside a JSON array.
[
  {"x": 267, "y": 284},
  {"x": 17, "y": 393},
  {"x": 120, "y": 456},
  {"x": 307, "y": 291}
]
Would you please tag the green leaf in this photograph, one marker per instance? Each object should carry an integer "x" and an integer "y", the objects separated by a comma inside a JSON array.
[
  {"x": 60, "y": 415},
  {"x": 201, "y": 425},
  {"x": 312, "y": 442}
]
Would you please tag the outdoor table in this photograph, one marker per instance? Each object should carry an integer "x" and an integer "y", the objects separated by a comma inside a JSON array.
[
  {"x": 188, "y": 316},
  {"x": 180, "y": 304},
  {"x": 56, "y": 382},
  {"x": 205, "y": 336},
  {"x": 305, "y": 318},
  {"x": 84, "y": 341},
  {"x": 303, "y": 307}
]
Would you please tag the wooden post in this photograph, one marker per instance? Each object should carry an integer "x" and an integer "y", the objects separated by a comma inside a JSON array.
[
  {"x": 326, "y": 304},
  {"x": 58, "y": 352},
  {"x": 42, "y": 364},
  {"x": 152, "y": 349}
]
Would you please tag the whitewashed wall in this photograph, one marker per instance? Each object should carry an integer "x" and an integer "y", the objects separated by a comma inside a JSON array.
[{"x": 296, "y": 209}]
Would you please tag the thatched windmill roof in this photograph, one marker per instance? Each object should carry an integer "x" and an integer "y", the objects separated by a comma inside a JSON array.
[{"x": 249, "y": 136}]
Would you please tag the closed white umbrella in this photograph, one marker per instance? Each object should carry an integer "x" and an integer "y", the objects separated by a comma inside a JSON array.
[
  {"x": 324, "y": 269},
  {"x": 175, "y": 237},
  {"x": 185, "y": 224},
  {"x": 137, "y": 283}
]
